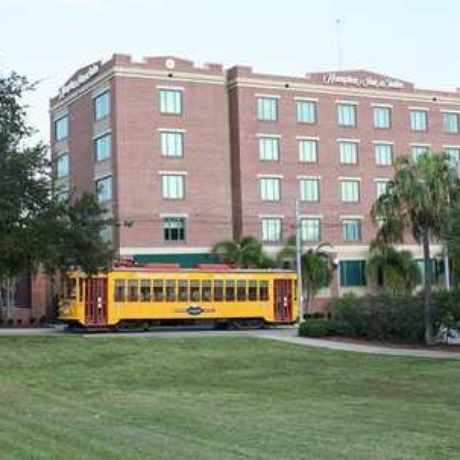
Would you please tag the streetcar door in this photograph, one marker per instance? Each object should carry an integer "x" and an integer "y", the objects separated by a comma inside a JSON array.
[
  {"x": 283, "y": 299},
  {"x": 96, "y": 301}
]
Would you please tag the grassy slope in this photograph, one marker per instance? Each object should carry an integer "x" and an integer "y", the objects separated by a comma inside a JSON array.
[{"x": 220, "y": 398}]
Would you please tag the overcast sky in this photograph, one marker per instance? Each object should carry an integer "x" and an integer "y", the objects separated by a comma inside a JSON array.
[{"x": 415, "y": 40}]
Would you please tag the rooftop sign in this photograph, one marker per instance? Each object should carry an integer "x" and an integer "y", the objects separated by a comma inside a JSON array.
[
  {"x": 366, "y": 82},
  {"x": 79, "y": 80}
]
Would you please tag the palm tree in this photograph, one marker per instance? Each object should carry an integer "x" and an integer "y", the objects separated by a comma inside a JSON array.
[
  {"x": 244, "y": 253},
  {"x": 398, "y": 270},
  {"x": 415, "y": 201},
  {"x": 316, "y": 269}
]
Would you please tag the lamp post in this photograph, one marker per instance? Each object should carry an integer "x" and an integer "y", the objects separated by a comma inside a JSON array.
[{"x": 298, "y": 247}]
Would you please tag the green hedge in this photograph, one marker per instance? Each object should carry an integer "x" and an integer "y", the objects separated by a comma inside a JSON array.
[{"x": 314, "y": 328}]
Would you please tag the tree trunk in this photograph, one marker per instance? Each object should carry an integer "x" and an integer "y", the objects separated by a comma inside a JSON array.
[{"x": 428, "y": 313}]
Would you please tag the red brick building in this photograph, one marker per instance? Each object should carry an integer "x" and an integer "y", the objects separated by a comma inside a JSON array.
[{"x": 193, "y": 155}]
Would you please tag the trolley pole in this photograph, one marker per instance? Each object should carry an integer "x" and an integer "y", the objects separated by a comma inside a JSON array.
[{"x": 298, "y": 247}]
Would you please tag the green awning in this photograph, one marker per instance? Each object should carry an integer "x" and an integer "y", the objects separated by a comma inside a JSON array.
[{"x": 185, "y": 260}]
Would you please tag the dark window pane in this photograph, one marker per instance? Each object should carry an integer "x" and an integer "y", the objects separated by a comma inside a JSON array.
[
  {"x": 183, "y": 290},
  {"x": 120, "y": 290},
  {"x": 195, "y": 291},
  {"x": 158, "y": 291},
  {"x": 206, "y": 291},
  {"x": 133, "y": 287},
  {"x": 241, "y": 290},
  {"x": 252, "y": 290},
  {"x": 145, "y": 291},
  {"x": 218, "y": 290},
  {"x": 170, "y": 290},
  {"x": 263, "y": 290},
  {"x": 230, "y": 290}
]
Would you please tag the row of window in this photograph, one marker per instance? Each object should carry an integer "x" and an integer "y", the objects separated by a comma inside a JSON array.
[
  {"x": 347, "y": 115},
  {"x": 171, "y": 290}
]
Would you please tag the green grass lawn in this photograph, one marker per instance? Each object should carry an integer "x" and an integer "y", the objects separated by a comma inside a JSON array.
[{"x": 220, "y": 398}]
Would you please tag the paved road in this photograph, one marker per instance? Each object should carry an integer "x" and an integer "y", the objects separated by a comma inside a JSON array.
[{"x": 281, "y": 334}]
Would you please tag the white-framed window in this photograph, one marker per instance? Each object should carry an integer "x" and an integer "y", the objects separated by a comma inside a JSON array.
[
  {"x": 418, "y": 150},
  {"x": 310, "y": 229},
  {"x": 104, "y": 189},
  {"x": 106, "y": 234},
  {"x": 62, "y": 165},
  {"x": 309, "y": 189},
  {"x": 173, "y": 186},
  {"x": 306, "y": 112},
  {"x": 170, "y": 101},
  {"x": 350, "y": 190},
  {"x": 454, "y": 155},
  {"x": 382, "y": 117},
  {"x": 267, "y": 108},
  {"x": 351, "y": 229},
  {"x": 269, "y": 148},
  {"x": 308, "y": 150},
  {"x": 383, "y": 154},
  {"x": 450, "y": 123},
  {"x": 272, "y": 229},
  {"x": 101, "y": 105},
  {"x": 381, "y": 187},
  {"x": 103, "y": 147},
  {"x": 346, "y": 114},
  {"x": 270, "y": 188},
  {"x": 171, "y": 144},
  {"x": 348, "y": 152},
  {"x": 418, "y": 120},
  {"x": 61, "y": 128},
  {"x": 174, "y": 229}
]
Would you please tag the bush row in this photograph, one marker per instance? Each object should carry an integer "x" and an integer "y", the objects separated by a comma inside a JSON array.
[{"x": 10, "y": 322}]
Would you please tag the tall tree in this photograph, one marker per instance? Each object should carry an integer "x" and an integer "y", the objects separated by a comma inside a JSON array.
[
  {"x": 415, "y": 201},
  {"x": 36, "y": 229}
]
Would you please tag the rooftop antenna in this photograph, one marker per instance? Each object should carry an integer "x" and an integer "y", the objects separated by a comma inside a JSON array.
[{"x": 338, "y": 24}]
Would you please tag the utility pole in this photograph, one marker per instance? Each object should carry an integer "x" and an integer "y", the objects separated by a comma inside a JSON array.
[{"x": 298, "y": 247}]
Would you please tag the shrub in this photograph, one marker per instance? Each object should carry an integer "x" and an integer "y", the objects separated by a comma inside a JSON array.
[
  {"x": 338, "y": 327},
  {"x": 19, "y": 322},
  {"x": 314, "y": 328},
  {"x": 10, "y": 321},
  {"x": 447, "y": 308},
  {"x": 32, "y": 320}
]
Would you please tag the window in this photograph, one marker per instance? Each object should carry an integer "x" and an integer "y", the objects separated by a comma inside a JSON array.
[
  {"x": 306, "y": 112},
  {"x": 381, "y": 187},
  {"x": 267, "y": 108},
  {"x": 104, "y": 189},
  {"x": 170, "y": 290},
  {"x": 309, "y": 189},
  {"x": 346, "y": 114},
  {"x": 351, "y": 229},
  {"x": 171, "y": 144},
  {"x": 133, "y": 294},
  {"x": 106, "y": 234},
  {"x": 310, "y": 229},
  {"x": 271, "y": 229},
  {"x": 61, "y": 128},
  {"x": 173, "y": 187},
  {"x": 102, "y": 105},
  {"x": 63, "y": 196},
  {"x": 158, "y": 294},
  {"x": 348, "y": 153},
  {"x": 195, "y": 291},
  {"x": 146, "y": 291},
  {"x": 270, "y": 189},
  {"x": 454, "y": 155},
  {"x": 120, "y": 286},
  {"x": 269, "y": 148},
  {"x": 241, "y": 290},
  {"x": 308, "y": 151},
  {"x": 418, "y": 120},
  {"x": 103, "y": 147},
  {"x": 170, "y": 101},
  {"x": 450, "y": 123},
  {"x": 383, "y": 154},
  {"x": 218, "y": 290},
  {"x": 352, "y": 273},
  {"x": 382, "y": 117},
  {"x": 263, "y": 290},
  {"x": 62, "y": 168},
  {"x": 183, "y": 290},
  {"x": 350, "y": 190},
  {"x": 252, "y": 290},
  {"x": 206, "y": 290},
  {"x": 229, "y": 290},
  {"x": 174, "y": 229},
  {"x": 418, "y": 150}
]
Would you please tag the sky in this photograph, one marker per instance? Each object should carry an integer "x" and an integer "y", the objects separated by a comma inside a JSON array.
[{"x": 47, "y": 40}]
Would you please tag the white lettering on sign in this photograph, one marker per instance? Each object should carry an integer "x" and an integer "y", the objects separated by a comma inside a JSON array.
[
  {"x": 80, "y": 80},
  {"x": 333, "y": 79}
]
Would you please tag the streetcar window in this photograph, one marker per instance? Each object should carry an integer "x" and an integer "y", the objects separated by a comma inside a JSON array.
[
  {"x": 171, "y": 290},
  {"x": 218, "y": 290},
  {"x": 119, "y": 291},
  {"x": 241, "y": 290},
  {"x": 146, "y": 291},
  {"x": 252, "y": 290},
  {"x": 183, "y": 290},
  {"x": 133, "y": 288},
  {"x": 229, "y": 290},
  {"x": 81, "y": 288},
  {"x": 158, "y": 290},
  {"x": 263, "y": 290},
  {"x": 195, "y": 291},
  {"x": 69, "y": 288},
  {"x": 206, "y": 291}
]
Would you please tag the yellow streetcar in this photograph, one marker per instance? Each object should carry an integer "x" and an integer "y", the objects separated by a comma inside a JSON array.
[{"x": 150, "y": 295}]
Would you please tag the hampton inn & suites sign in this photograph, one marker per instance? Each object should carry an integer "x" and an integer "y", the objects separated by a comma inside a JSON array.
[{"x": 364, "y": 82}]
